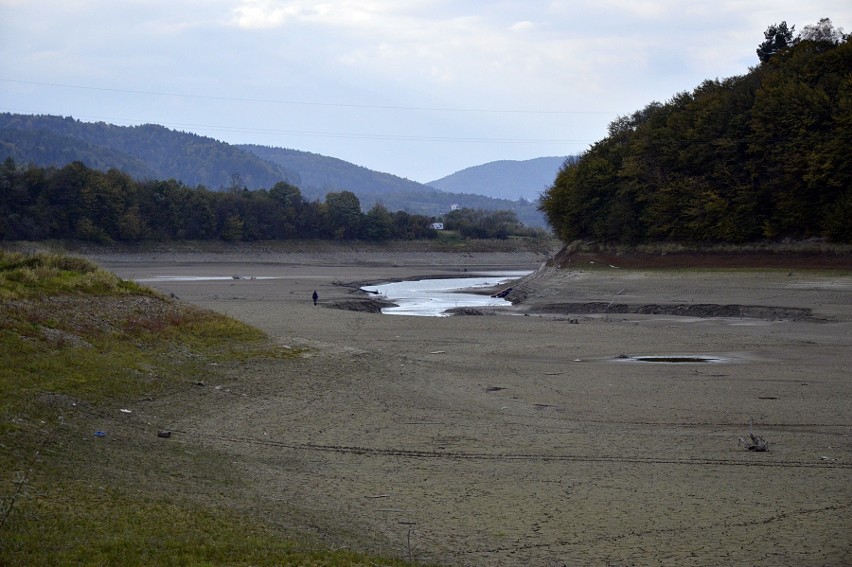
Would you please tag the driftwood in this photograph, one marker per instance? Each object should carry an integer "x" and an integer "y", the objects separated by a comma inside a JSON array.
[{"x": 754, "y": 443}]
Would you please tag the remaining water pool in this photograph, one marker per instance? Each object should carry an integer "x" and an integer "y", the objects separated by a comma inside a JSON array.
[{"x": 431, "y": 298}]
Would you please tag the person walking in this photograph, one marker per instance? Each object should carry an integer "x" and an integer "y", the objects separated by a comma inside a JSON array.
[{"x": 315, "y": 296}]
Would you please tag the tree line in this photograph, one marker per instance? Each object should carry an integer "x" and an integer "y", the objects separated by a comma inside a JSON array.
[
  {"x": 764, "y": 156},
  {"x": 78, "y": 202}
]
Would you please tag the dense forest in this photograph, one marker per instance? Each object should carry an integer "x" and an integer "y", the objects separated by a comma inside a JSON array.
[
  {"x": 78, "y": 202},
  {"x": 764, "y": 156}
]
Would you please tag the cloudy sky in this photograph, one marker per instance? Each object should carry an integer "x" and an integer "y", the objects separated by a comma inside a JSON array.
[{"x": 417, "y": 88}]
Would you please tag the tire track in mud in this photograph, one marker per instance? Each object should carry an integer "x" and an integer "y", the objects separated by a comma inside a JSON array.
[
  {"x": 471, "y": 456},
  {"x": 479, "y": 456}
]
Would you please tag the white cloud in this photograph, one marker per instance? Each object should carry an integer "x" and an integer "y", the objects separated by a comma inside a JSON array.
[
  {"x": 261, "y": 14},
  {"x": 522, "y": 26},
  {"x": 364, "y": 15}
]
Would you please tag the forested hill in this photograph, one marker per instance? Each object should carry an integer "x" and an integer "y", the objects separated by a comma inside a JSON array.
[
  {"x": 145, "y": 152},
  {"x": 764, "y": 156},
  {"x": 318, "y": 173}
]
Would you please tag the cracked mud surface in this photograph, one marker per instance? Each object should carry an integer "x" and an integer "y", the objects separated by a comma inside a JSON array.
[{"x": 511, "y": 440}]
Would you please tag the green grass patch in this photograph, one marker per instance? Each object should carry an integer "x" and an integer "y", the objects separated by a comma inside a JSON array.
[
  {"x": 449, "y": 237},
  {"x": 73, "y": 335},
  {"x": 77, "y": 525},
  {"x": 34, "y": 275}
]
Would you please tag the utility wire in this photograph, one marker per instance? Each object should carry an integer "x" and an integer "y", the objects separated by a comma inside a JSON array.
[
  {"x": 304, "y": 102},
  {"x": 318, "y": 134}
]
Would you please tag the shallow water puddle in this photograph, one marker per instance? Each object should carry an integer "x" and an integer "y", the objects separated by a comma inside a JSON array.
[{"x": 673, "y": 359}]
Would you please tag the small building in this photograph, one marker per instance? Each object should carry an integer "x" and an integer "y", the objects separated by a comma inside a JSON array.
[{"x": 437, "y": 226}]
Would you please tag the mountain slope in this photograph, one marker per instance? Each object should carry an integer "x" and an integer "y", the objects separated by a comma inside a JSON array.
[
  {"x": 45, "y": 148},
  {"x": 319, "y": 174},
  {"x": 506, "y": 179},
  {"x": 142, "y": 151}
]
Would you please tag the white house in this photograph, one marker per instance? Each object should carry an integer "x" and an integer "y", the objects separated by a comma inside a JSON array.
[{"x": 437, "y": 226}]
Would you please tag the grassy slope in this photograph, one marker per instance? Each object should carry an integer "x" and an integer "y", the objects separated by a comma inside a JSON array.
[{"x": 77, "y": 344}]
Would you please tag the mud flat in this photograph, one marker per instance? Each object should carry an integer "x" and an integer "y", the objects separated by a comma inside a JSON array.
[{"x": 525, "y": 438}]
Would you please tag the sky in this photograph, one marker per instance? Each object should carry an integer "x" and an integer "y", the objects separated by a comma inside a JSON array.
[{"x": 416, "y": 88}]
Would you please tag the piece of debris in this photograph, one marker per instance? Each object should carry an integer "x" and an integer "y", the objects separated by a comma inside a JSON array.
[
  {"x": 164, "y": 434},
  {"x": 755, "y": 443},
  {"x": 100, "y": 433},
  {"x": 438, "y": 352},
  {"x": 494, "y": 388},
  {"x": 504, "y": 293},
  {"x": 125, "y": 411}
]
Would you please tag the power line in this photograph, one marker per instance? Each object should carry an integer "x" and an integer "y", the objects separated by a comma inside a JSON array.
[
  {"x": 307, "y": 103},
  {"x": 318, "y": 134}
]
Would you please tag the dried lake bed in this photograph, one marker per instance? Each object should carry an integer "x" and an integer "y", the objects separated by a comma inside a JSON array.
[{"x": 527, "y": 438}]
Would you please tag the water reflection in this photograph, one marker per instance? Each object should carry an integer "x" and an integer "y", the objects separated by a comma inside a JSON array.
[{"x": 431, "y": 298}]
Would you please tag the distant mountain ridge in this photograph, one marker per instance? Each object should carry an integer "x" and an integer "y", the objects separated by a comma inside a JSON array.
[
  {"x": 505, "y": 179},
  {"x": 154, "y": 152}
]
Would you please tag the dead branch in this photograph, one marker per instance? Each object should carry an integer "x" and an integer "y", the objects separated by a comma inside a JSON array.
[{"x": 754, "y": 443}]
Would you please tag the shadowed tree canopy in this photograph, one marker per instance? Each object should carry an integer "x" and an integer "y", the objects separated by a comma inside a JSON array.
[
  {"x": 778, "y": 38},
  {"x": 344, "y": 212}
]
